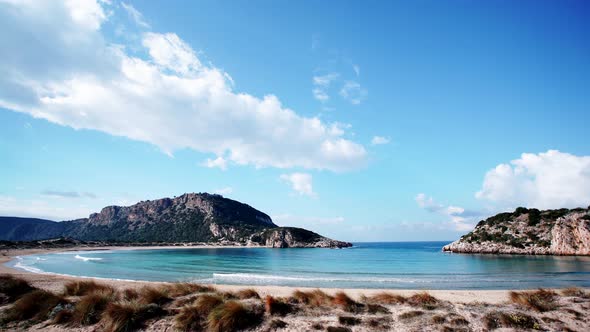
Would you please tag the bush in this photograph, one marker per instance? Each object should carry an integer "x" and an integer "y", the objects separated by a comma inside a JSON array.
[
  {"x": 13, "y": 288},
  {"x": 35, "y": 305},
  {"x": 540, "y": 300},
  {"x": 84, "y": 287},
  {"x": 232, "y": 316},
  {"x": 128, "y": 316}
]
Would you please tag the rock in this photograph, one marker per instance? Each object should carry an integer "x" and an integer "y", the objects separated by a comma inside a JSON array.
[{"x": 529, "y": 232}]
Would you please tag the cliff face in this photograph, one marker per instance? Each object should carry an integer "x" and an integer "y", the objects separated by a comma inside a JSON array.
[
  {"x": 187, "y": 218},
  {"x": 529, "y": 231}
]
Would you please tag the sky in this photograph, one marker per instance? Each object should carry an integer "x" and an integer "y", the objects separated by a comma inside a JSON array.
[{"x": 360, "y": 120}]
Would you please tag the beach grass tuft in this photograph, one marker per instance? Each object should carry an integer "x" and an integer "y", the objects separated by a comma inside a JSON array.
[
  {"x": 193, "y": 317},
  {"x": 385, "y": 298},
  {"x": 574, "y": 292},
  {"x": 84, "y": 287},
  {"x": 128, "y": 315},
  {"x": 277, "y": 324},
  {"x": 539, "y": 300},
  {"x": 13, "y": 288},
  {"x": 156, "y": 295},
  {"x": 130, "y": 294},
  {"x": 411, "y": 314},
  {"x": 185, "y": 288},
  {"x": 35, "y": 306},
  {"x": 338, "y": 329},
  {"x": 273, "y": 306},
  {"x": 377, "y": 309},
  {"x": 497, "y": 319},
  {"x": 315, "y": 298},
  {"x": 63, "y": 317},
  {"x": 423, "y": 300},
  {"x": 247, "y": 293},
  {"x": 232, "y": 316},
  {"x": 349, "y": 320},
  {"x": 89, "y": 308}
]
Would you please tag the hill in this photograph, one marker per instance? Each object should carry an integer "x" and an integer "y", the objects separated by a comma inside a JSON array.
[
  {"x": 202, "y": 217},
  {"x": 529, "y": 231}
]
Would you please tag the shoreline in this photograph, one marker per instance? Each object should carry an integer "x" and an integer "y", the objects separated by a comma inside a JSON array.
[{"x": 55, "y": 282}]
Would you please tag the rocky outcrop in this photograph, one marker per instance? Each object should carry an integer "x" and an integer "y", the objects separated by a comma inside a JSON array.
[
  {"x": 530, "y": 232},
  {"x": 291, "y": 237},
  {"x": 190, "y": 218}
]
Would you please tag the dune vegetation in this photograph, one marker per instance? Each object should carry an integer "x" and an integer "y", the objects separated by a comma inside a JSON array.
[{"x": 94, "y": 306}]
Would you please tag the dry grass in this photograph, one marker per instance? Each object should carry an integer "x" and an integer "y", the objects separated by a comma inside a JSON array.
[
  {"x": 411, "y": 314},
  {"x": 348, "y": 320},
  {"x": 84, "y": 287},
  {"x": 496, "y": 319},
  {"x": 385, "y": 298},
  {"x": 574, "y": 292},
  {"x": 88, "y": 310},
  {"x": 130, "y": 294},
  {"x": 377, "y": 309},
  {"x": 438, "y": 319},
  {"x": 315, "y": 298},
  {"x": 539, "y": 300},
  {"x": 273, "y": 306},
  {"x": 35, "y": 305},
  {"x": 247, "y": 293},
  {"x": 13, "y": 288},
  {"x": 156, "y": 295},
  {"x": 423, "y": 300},
  {"x": 193, "y": 317},
  {"x": 63, "y": 317},
  {"x": 128, "y": 315},
  {"x": 232, "y": 316},
  {"x": 185, "y": 288},
  {"x": 277, "y": 324}
]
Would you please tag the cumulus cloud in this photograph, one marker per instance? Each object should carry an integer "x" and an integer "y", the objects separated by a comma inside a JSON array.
[
  {"x": 379, "y": 140},
  {"x": 224, "y": 191},
  {"x": 548, "y": 180},
  {"x": 460, "y": 218},
  {"x": 300, "y": 183},
  {"x": 135, "y": 15},
  {"x": 168, "y": 98},
  {"x": 352, "y": 92},
  {"x": 67, "y": 194}
]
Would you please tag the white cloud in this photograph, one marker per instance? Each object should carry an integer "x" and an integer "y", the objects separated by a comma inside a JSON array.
[
  {"x": 300, "y": 183},
  {"x": 135, "y": 15},
  {"x": 218, "y": 162},
  {"x": 321, "y": 84},
  {"x": 379, "y": 140},
  {"x": 224, "y": 191},
  {"x": 357, "y": 69},
  {"x": 169, "y": 99},
  {"x": 352, "y": 92},
  {"x": 460, "y": 219},
  {"x": 546, "y": 180},
  {"x": 67, "y": 194}
]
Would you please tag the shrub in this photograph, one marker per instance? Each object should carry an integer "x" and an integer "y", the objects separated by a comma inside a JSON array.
[
  {"x": 35, "y": 305},
  {"x": 90, "y": 307},
  {"x": 411, "y": 314},
  {"x": 13, "y": 288},
  {"x": 386, "y": 298},
  {"x": 540, "y": 300},
  {"x": 232, "y": 316},
  {"x": 423, "y": 300},
  {"x": 128, "y": 316},
  {"x": 84, "y": 287},
  {"x": 154, "y": 295},
  {"x": 273, "y": 306},
  {"x": 348, "y": 320},
  {"x": 494, "y": 320},
  {"x": 248, "y": 293}
]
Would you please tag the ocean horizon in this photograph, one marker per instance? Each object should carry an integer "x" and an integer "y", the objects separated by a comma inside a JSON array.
[{"x": 387, "y": 265}]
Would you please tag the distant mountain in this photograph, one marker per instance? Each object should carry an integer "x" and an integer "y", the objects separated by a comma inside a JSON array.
[
  {"x": 188, "y": 218},
  {"x": 529, "y": 231}
]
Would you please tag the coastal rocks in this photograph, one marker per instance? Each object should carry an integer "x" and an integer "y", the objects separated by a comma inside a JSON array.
[
  {"x": 530, "y": 232},
  {"x": 292, "y": 237}
]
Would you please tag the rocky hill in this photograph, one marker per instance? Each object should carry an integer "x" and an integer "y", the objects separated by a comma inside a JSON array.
[
  {"x": 529, "y": 231},
  {"x": 202, "y": 218}
]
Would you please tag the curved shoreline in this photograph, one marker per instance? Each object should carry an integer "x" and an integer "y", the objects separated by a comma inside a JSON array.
[{"x": 55, "y": 282}]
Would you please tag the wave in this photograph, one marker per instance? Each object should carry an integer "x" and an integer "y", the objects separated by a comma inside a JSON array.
[
  {"x": 267, "y": 278},
  {"x": 86, "y": 259}
]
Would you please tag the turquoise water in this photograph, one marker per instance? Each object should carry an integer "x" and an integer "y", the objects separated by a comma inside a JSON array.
[{"x": 412, "y": 265}]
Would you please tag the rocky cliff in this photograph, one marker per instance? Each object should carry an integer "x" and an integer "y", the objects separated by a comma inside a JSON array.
[
  {"x": 529, "y": 231},
  {"x": 191, "y": 217}
]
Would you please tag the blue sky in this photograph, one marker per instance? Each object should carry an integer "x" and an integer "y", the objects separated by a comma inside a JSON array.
[{"x": 364, "y": 121}]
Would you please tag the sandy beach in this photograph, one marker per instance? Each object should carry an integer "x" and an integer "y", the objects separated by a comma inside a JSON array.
[{"x": 452, "y": 310}]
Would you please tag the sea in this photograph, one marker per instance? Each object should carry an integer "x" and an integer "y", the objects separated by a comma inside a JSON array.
[{"x": 393, "y": 265}]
